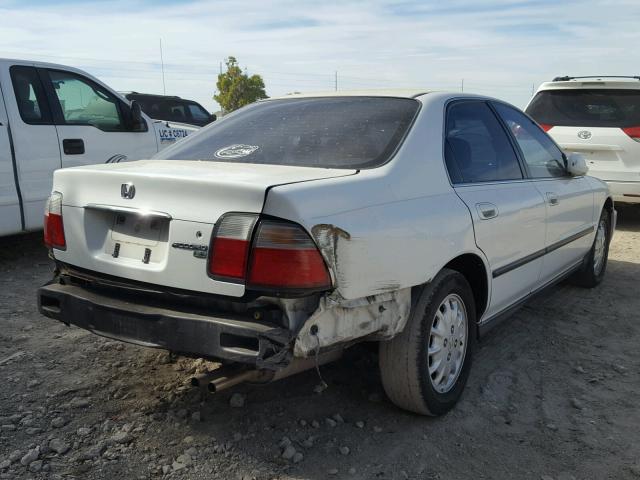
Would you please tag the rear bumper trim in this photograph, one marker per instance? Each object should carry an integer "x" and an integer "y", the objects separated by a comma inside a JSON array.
[{"x": 222, "y": 338}]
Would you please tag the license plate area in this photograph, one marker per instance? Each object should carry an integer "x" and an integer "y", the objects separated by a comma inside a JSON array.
[
  {"x": 136, "y": 229},
  {"x": 137, "y": 238}
]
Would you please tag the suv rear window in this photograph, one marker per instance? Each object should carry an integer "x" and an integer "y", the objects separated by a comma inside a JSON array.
[
  {"x": 586, "y": 108},
  {"x": 331, "y": 132}
]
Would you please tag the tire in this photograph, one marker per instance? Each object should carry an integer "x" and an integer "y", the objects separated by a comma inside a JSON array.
[
  {"x": 405, "y": 360},
  {"x": 592, "y": 272}
]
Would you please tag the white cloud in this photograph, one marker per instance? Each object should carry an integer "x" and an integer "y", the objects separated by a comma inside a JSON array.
[{"x": 501, "y": 47}]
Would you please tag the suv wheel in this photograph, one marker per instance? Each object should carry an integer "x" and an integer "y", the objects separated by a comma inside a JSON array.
[{"x": 424, "y": 369}]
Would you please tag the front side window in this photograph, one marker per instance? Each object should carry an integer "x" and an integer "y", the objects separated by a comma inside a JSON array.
[
  {"x": 30, "y": 96},
  {"x": 477, "y": 148},
  {"x": 198, "y": 113},
  {"x": 331, "y": 132},
  {"x": 543, "y": 158},
  {"x": 84, "y": 103}
]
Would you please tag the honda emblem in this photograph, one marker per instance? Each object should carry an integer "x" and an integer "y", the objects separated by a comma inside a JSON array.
[{"x": 127, "y": 190}]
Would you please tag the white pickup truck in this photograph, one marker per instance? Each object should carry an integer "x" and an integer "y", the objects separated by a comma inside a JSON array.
[
  {"x": 295, "y": 227},
  {"x": 55, "y": 116}
]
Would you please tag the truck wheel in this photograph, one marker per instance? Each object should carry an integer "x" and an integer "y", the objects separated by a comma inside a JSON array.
[
  {"x": 595, "y": 263},
  {"x": 425, "y": 368}
]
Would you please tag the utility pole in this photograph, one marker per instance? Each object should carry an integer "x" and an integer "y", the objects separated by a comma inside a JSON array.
[
  {"x": 164, "y": 87},
  {"x": 462, "y": 86},
  {"x": 336, "y": 80},
  {"x": 220, "y": 68},
  {"x": 533, "y": 88}
]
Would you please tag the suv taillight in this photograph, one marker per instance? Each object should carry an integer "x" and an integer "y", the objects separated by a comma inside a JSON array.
[
  {"x": 281, "y": 257},
  {"x": 545, "y": 126},
  {"x": 53, "y": 227},
  {"x": 633, "y": 132}
]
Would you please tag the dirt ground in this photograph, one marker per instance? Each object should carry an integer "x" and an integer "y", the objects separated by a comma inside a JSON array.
[{"x": 553, "y": 394}]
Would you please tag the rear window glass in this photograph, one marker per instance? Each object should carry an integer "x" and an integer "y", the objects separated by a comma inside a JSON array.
[
  {"x": 346, "y": 132},
  {"x": 587, "y": 108}
]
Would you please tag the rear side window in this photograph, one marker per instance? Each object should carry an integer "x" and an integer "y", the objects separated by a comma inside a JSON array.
[
  {"x": 331, "y": 132},
  {"x": 30, "y": 96},
  {"x": 543, "y": 158},
  {"x": 477, "y": 149},
  {"x": 586, "y": 108}
]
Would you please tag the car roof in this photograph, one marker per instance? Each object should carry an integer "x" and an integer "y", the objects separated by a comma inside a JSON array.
[
  {"x": 607, "y": 82},
  {"x": 391, "y": 92}
]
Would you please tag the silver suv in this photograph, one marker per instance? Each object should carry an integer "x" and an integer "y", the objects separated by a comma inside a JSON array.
[{"x": 598, "y": 117}]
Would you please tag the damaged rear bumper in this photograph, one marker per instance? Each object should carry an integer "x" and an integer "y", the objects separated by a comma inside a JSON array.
[{"x": 228, "y": 337}]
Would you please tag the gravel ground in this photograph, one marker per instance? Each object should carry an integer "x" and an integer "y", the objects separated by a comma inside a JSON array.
[{"x": 553, "y": 394}]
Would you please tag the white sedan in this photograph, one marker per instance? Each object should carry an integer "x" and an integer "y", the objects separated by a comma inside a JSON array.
[{"x": 273, "y": 239}]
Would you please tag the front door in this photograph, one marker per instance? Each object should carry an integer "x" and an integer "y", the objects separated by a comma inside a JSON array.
[
  {"x": 93, "y": 124},
  {"x": 10, "y": 217},
  {"x": 507, "y": 210},
  {"x": 35, "y": 142},
  {"x": 569, "y": 200}
]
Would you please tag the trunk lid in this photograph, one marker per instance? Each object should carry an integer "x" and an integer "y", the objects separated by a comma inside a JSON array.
[{"x": 180, "y": 201}]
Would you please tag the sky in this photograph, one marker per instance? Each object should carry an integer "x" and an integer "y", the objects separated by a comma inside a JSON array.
[{"x": 502, "y": 48}]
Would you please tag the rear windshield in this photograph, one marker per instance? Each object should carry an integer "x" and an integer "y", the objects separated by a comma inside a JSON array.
[
  {"x": 333, "y": 132},
  {"x": 587, "y": 108}
]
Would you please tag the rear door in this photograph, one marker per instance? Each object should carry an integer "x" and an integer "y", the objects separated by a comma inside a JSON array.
[
  {"x": 569, "y": 200},
  {"x": 35, "y": 142},
  {"x": 92, "y": 123},
  {"x": 10, "y": 217},
  {"x": 508, "y": 211}
]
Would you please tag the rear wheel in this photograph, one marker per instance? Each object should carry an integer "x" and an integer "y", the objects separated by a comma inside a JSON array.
[
  {"x": 595, "y": 263},
  {"x": 425, "y": 368}
]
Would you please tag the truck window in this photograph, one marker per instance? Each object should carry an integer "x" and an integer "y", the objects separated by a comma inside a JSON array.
[
  {"x": 84, "y": 103},
  {"x": 30, "y": 96}
]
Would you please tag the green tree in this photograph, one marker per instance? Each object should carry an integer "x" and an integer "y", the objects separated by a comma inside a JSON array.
[{"x": 237, "y": 89}]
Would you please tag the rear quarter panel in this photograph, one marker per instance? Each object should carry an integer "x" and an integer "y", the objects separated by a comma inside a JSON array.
[{"x": 390, "y": 227}]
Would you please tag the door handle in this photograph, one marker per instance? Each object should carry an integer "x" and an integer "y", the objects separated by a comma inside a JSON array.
[
  {"x": 487, "y": 210},
  {"x": 73, "y": 146},
  {"x": 552, "y": 199}
]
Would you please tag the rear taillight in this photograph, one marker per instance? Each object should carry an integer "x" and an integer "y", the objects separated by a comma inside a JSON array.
[
  {"x": 281, "y": 257},
  {"x": 633, "y": 132},
  {"x": 230, "y": 246},
  {"x": 53, "y": 227},
  {"x": 545, "y": 126},
  {"x": 285, "y": 257}
]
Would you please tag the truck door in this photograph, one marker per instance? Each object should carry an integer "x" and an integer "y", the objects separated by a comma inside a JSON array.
[
  {"x": 10, "y": 214},
  {"x": 507, "y": 211},
  {"x": 35, "y": 142},
  {"x": 93, "y": 124}
]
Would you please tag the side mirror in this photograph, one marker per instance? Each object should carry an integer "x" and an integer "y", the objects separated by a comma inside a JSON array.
[
  {"x": 137, "y": 122},
  {"x": 213, "y": 117},
  {"x": 576, "y": 165}
]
